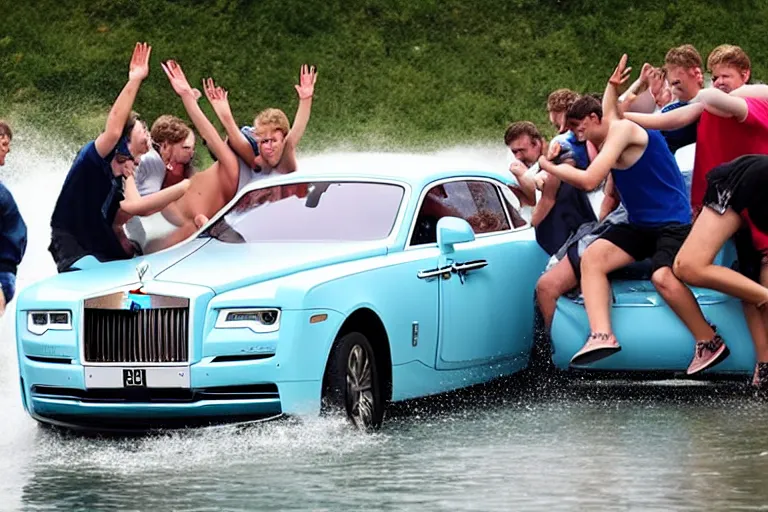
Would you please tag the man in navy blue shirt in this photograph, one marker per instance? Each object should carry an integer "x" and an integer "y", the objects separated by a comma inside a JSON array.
[
  {"x": 99, "y": 193},
  {"x": 13, "y": 230}
]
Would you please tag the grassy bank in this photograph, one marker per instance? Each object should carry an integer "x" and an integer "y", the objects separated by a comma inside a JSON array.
[{"x": 404, "y": 73}]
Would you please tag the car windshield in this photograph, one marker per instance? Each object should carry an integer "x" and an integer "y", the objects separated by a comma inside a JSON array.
[{"x": 317, "y": 211}]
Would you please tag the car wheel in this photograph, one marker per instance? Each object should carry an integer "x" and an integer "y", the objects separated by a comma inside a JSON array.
[{"x": 352, "y": 381}]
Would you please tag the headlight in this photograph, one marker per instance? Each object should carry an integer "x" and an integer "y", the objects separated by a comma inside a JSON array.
[
  {"x": 256, "y": 319},
  {"x": 38, "y": 322}
]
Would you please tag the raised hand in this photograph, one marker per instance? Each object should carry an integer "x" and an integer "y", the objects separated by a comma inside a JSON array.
[
  {"x": 621, "y": 73},
  {"x": 646, "y": 73},
  {"x": 217, "y": 96},
  {"x": 656, "y": 81},
  {"x": 139, "y": 68},
  {"x": 306, "y": 87},
  {"x": 176, "y": 76}
]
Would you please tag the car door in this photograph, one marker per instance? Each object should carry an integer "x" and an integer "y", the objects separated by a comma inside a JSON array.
[{"x": 486, "y": 304}]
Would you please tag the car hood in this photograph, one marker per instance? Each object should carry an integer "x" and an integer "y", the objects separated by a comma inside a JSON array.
[
  {"x": 224, "y": 266},
  {"x": 98, "y": 277}
]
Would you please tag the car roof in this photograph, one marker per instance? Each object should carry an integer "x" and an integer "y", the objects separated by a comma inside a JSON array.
[{"x": 414, "y": 169}]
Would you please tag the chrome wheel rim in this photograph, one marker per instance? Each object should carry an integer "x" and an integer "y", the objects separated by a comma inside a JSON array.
[{"x": 360, "y": 387}]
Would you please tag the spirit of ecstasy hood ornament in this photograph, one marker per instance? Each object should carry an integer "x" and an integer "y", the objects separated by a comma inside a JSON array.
[{"x": 142, "y": 270}]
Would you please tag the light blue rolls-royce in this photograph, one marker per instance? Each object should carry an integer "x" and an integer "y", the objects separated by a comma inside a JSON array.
[{"x": 362, "y": 280}]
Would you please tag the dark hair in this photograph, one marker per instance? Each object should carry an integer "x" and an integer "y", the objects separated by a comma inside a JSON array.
[
  {"x": 583, "y": 107},
  {"x": 519, "y": 129},
  {"x": 133, "y": 118},
  {"x": 5, "y": 130}
]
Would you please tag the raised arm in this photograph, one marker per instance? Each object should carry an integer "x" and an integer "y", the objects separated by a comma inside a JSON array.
[
  {"x": 138, "y": 71},
  {"x": 305, "y": 89},
  {"x": 638, "y": 98},
  {"x": 215, "y": 143},
  {"x": 611, "y": 95},
  {"x": 218, "y": 98}
]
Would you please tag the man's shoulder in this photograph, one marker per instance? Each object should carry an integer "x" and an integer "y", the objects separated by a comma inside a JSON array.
[{"x": 88, "y": 156}]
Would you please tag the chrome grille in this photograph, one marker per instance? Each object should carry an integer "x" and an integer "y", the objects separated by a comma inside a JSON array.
[{"x": 118, "y": 330}]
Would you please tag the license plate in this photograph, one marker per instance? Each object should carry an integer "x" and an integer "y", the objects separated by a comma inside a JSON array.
[{"x": 136, "y": 377}]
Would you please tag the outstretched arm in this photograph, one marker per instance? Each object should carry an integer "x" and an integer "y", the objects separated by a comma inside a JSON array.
[
  {"x": 226, "y": 158},
  {"x": 218, "y": 97},
  {"x": 723, "y": 104},
  {"x": 136, "y": 204},
  {"x": 672, "y": 120},
  {"x": 138, "y": 71},
  {"x": 751, "y": 91}
]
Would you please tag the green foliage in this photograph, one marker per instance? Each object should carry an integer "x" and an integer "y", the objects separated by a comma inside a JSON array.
[{"x": 391, "y": 72}]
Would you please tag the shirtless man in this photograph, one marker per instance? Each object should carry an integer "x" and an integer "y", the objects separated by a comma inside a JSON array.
[
  {"x": 209, "y": 190},
  {"x": 276, "y": 141},
  {"x": 653, "y": 191}
]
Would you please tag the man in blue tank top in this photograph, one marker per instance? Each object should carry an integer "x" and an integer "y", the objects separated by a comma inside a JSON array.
[{"x": 646, "y": 176}]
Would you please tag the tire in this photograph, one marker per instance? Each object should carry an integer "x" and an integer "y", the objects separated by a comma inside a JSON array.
[{"x": 352, "y": 382}]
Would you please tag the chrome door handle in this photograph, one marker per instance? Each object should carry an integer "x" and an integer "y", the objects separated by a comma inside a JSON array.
[
  {"x": 469, "y": 265},
  {"x": 435, "y": 272}
]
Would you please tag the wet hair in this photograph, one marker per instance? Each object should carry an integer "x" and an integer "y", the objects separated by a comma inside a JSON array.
[
  {"x": 583, "y": 107},
  {"x": 170, "y": 129},
  {"x": 684, "y": 56},
  {"x": 520, "y": 128},
  {"x": 273, "y": 117},
  {"x": 561, "y": 100},
  {"x": 729, "y": 55},
  {"x": 5, "y": 130}
]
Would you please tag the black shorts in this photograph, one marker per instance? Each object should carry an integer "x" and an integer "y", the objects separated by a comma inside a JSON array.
[
  {"x": 659, "y": 243},
  {"x": 740, "y": 185}
]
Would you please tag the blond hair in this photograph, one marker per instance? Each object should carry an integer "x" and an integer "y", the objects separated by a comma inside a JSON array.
[
  {"x": 729, "y": 55},
  {"x": 273, "y": 117}
]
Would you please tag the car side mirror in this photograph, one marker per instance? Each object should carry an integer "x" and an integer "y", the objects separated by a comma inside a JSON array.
[{"x": 453, "y": 230}]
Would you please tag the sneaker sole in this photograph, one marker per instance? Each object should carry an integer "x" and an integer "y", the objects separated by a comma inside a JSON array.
[
  {"x": 593, "y": 355},
  {"x": 717, "y": 360}
]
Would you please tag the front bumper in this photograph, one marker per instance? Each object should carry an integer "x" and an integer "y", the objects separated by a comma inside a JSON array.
[
  {"x": 237, "y": 376},
  {"x": 56, "y": 393}
]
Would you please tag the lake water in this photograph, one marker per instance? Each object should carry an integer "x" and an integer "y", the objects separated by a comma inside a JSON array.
[{"x": 514, "y": 445}]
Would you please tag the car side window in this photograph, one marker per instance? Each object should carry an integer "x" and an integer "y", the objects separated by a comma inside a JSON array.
[
  {"x": 514, "y": 210},
  {"x": 477, "y": 202}
]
